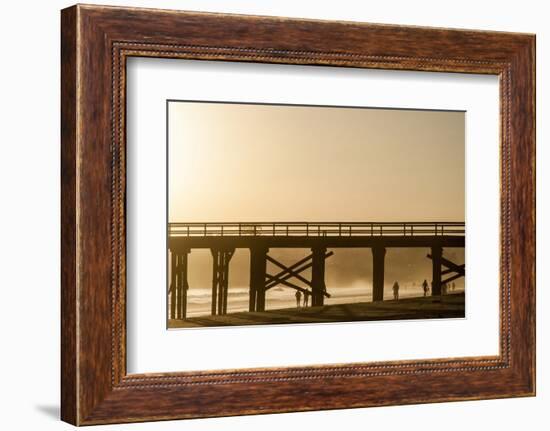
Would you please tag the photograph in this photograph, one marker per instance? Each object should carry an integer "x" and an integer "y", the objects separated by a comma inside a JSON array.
[{"x": 293, "y": 214}]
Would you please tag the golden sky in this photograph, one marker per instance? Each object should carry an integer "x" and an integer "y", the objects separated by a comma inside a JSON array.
[{"x": 243, "y": 162}]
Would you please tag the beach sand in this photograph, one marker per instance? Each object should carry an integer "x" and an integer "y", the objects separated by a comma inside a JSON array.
[{"x": 430, "y": 307}]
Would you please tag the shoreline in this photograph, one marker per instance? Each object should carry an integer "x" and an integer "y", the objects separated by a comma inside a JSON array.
[{"x": 429, "y": 307}]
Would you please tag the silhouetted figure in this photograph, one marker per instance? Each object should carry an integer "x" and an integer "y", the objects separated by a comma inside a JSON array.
[
  {"x": 425, "y": 288},
  {"x": 306, "y": 298},
  {"x": 298, "y": 298},
  {"x": 453, "y": 286},
  {"x": 444, "y": 289},
  {"x": 396, "y": 290}
]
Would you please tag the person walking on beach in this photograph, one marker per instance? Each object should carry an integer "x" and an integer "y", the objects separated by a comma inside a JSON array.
[
  {"x": 298, "y": 298},
  {"x": 453, "y": 286},
  {"x": 425, "y": 287},
  {"x": 306, "y": 298},
  {"x": 396, "y": 290}
]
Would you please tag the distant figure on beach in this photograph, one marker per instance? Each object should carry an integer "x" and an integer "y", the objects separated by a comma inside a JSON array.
[
  {"x": 444, "y": 289},
  {"x": 396, "y": 290},
  {"x": 453, "y": 287},
  {"x": 425, "y": 287},
  {"x": 306, "y": 297},
  {"x": 298, "y": 298}
]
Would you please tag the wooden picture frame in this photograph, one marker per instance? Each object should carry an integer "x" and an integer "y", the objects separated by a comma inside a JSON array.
[{"x": 95, "y": 42}]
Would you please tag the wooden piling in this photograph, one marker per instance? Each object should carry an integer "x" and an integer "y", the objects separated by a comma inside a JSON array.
[
  {"x": 225, "y": 277},
  {"x": 220, "y": 279},
  {"x": 173, "y": 288},
  {"x": 258, "y": 265},
  {"x": 215, "y": 272},
  {"x": 178, "y": 287},
  {"x": 378, "y": 257},
  {"x": 183, "y": 284},
  {"x": 318, "y": 286},
  {"x": 437, "y": 253}
]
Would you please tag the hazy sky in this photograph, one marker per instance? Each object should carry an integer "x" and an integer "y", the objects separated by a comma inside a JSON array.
[{"x": 242, "y": 162}]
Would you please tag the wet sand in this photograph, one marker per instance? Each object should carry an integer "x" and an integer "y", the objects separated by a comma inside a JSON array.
[{"x": 447, "y": 306}]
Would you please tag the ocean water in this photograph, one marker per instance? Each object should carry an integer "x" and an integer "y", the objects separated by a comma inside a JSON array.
[{"x": 199, "y": 299}]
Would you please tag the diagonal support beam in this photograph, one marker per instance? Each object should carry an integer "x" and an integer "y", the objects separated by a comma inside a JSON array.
[
  {"x": 451, "y": 271},
  {"x": 285, "y": 275},
  {"x": 288, "y": 270},
  {"x": 450, "y": 265},
  {"x": 295, "y": 266}
]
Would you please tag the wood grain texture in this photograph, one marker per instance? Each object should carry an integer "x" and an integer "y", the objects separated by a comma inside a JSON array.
[
  {"x": 96, "y": 41},
  {"x": 69, "y": 398}
]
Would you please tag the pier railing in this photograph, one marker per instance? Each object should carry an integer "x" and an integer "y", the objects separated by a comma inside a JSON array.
[{"x": 307, "y": 229}]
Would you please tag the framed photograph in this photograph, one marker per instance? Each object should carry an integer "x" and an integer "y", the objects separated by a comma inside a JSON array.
[
  {"x": 264, "y": 215},
  {"x": 334, "y": 167}
]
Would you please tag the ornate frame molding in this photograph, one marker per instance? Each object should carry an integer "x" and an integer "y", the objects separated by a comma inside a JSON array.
[{"x": 96, "y": 41}]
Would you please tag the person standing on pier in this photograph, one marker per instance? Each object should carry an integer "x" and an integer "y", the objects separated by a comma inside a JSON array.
[
  {"x": 298, "y": 298},
  {"x": 425, "y": 287},
  {"x": 396, "y": 290},
  {"x": 306, "y": 298}
]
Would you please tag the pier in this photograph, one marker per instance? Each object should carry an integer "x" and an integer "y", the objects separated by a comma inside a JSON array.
[{"x": 222, "y": 239}]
